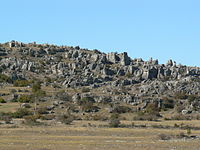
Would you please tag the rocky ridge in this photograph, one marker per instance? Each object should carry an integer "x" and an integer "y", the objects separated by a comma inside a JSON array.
[{"x": 73, "y": 67}]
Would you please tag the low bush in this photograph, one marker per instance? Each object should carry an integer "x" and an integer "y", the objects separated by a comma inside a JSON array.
[
  {"x": 98, "y": 117},
  {"x": 85, "y": 100},
  {"x": 189, "y": 131},
  {"x": 178, "y": 108},
  {"x": 21, "y": 112},
  {"x": 128, "y": 75},
  {"x": 48, "y": 117},
  {"x": 152, "y": 109},
  {"x": 22, "y": 83},
  {"x": 66, "y": 118},
  {"x": 149, "y": 117},
  {"x": 121, "y": 109},
  {"x": 25, "y": 99},
  {"x": 86, "y": 104},
  {"x": 151, "y": 113},
  {"x": 63, "y": 96},
  {"x": 31, "y": 120},
  {"x": 192, "y": 98},
  {"x": 181, "y": 135},
  {"x": 181, "y": 117},
  {"x": 114, "y": 121},
  {"x": 2, "y": 100},
  {"x": 164, "y": 137},
  {"x": 176, "y": 125},
  {"x": 85, "y": 90},
  {"x": 168, "y": 104},
  {"x": 42, "y": 110},
  {"x": 5, "y": 117},
  {"x": 5, "y": 78},
  {"x": 39, "y": 93}
]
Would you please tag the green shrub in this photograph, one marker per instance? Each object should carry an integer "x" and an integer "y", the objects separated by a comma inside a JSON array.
[
  {"x": 85, "y": 100},
  {"x": 114, "y": 116},
  {"x": 25, "y": 99},
  {"x": 149, "y": 117},
  {"x": 85, "y": 90},
  {"x": 179, "y": 108},
  {"x": 14, "y": 100},
  {"x": 164, "y": 137},
  {"x": 121, "y": 109},
  {"x": 36, "y": 87},
  {"x": 189, "y": 131},
  {"x": 63, "y": 96},
  {"x": 151, "y": 113},
  {"x": 48, "y": 80},
  {"x": 114, "y": 123},
  {"x": 5, "y": 78},
  {"x": 192, "y": 98},
  {"x": 152, "y": 109},
  {"x": 66, "y": 118},
  {"x": 40, "y": 93},
  {"x": 90, "y": 108},
  {"x": 48, "y": 117},
  {"x": 99, "y": 117},
  {"x": 2, "y": 100},
  {"x": 21, "y": 112},
  {"x": 42, "y": 110},
  {"x": 176, "y": 125},
  {"x": 86, "y": 103},
  {"x": 168, "y": 104},
  {"x": 22, "y": 83},
  {"x": 31, "y": 120},
  {"x": 128, "y": 75}
]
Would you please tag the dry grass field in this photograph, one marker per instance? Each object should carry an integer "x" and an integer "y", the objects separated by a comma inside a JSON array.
[{"x": 81, "y": 136}]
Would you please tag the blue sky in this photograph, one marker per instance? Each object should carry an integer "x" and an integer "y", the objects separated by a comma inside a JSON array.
[{"x": 162, "y": 29}]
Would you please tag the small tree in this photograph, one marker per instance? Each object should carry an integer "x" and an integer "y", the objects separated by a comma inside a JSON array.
[
  {"x": 36, "y": 87},
  {"x": 189, "y": 131},
  {"x": 37, "y": 93},
  {"x": 152, "y": 109}
]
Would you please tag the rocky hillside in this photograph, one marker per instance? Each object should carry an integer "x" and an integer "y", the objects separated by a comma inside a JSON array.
[{"x": 108, "y": 77}]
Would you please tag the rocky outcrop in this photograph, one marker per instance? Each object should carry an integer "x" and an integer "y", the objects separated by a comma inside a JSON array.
[{"x": 70, "y": 67}]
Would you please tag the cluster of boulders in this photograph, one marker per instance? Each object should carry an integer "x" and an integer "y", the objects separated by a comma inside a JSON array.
[{"x": 73, "y": 67}]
